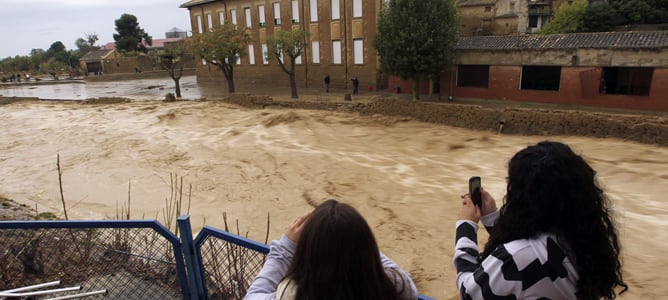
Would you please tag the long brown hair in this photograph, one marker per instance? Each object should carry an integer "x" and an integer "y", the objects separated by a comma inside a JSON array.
[{"x": 337, "y": 257}]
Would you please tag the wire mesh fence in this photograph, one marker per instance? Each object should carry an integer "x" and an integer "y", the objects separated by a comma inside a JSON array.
[
  {"x": 229, "y": 263},
  {"x": 130, "y": 263}
]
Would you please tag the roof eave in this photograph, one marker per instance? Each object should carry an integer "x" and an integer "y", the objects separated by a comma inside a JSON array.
[{"x": 190, "y": 4}]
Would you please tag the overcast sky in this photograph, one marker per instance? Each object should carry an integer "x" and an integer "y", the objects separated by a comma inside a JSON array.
[{"x": 31, "y": 24}]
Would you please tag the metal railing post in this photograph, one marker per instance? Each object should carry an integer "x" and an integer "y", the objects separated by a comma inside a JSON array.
[{"x": 193, "y": 261}]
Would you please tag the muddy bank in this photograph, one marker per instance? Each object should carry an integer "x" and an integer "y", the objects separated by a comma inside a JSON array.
[{"x": 649, "y": 129}]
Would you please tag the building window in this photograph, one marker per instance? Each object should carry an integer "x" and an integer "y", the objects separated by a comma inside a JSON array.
[
  {"x": 209, "y": 22},
  {"x": 237, "y": 59},
  {"x": 203, "y": 61},
  {"x": 233, "y": 16},
  {"x": 313, "y": 10},
  {"x": 545, "y": 78},
  {"x": 336, "y": 52},
  {"x": 315, "y": 50},
  {"x": 336, "y": 10},
  {"x": 357, "y": 8},
  {"x": 199, "y": 24},
  {"x": 260, "y": 12},
  {"x": 265, "y": 54},
  {"x": 247, "y": 13},
  {"x": 277, "y": 14},
  {"x": 533, "y": 21},
  {"x": 627, "y": 81},
  {"x": 251, "y": 54},
  {"x": 295, "y": 12},
  {"x": 221, "y": 17},
  {"x": 488, "y": 8},
  {"x": 358, "y": 51},
  {"x": 473, "y": 76},
  {"x": 298, "y": 60}
]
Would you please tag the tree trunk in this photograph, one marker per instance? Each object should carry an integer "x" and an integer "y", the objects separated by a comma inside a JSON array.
[
  {"x": 293, "y": 85},
  {"x": 230, "y": 84},
  {"x": 178, "y": 87},
  {"x": 416, "y": 87}
]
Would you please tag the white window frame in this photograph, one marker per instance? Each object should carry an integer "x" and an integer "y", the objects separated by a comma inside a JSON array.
[
  {"x": 358, "y": 51},
  {"x": 336, "y": 9},
  {"x": 295, "y": 12},
  {"x": 263, "y": 18},
  {"x": 315, "y": 50},
  {"x": 313, "y": 10},
  {"x": 336, "y": 52},
  {"x": 277, "y": 13},
  {"x": 233, "y": 16},
  {"x": 200, "y": 26},
  {"x": 251, "y": 54},
  {"x": 221, "y": 17},
  {"x": 209, "y": 21},
  {"x": 249, "y": 19},
  {"x": 357, "y": 8},
  {"x": 265, "y": 53}
]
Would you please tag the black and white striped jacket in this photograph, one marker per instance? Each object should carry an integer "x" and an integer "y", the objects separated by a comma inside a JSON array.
[{"x": 535, "y": 268}]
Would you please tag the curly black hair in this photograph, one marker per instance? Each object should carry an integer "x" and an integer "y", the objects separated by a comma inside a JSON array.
[{"x": 553, "y": 190}]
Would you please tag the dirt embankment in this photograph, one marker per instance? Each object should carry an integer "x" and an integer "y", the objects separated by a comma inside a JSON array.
[{"x": 649, "y": 129}]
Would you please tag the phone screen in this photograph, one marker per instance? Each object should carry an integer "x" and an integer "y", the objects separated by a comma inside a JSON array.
[{"x": 474, "y": 190}]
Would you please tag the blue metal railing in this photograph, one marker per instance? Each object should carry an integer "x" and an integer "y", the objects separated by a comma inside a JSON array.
[{"x": 213, "y": 265}]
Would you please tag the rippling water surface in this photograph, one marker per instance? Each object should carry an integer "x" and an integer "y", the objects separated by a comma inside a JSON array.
[{"x": 405, "y": 177}]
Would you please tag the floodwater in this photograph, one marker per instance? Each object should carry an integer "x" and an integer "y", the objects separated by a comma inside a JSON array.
[
  {"x": 138, "y": 89},
  {"x": 405, "y": 177}
]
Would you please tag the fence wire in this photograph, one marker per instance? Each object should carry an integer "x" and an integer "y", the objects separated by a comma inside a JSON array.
[
  {"x": 130, "y": 263},
  {"x": 228, "y": 268}
]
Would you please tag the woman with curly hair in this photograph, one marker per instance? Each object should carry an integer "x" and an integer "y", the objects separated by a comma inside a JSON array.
[
  {"x": 330, "y": 253},
  {"x": 553, "y": 238}
]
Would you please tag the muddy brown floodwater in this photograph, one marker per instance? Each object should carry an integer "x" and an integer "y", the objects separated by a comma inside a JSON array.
[{"x": 404, "y": 176}]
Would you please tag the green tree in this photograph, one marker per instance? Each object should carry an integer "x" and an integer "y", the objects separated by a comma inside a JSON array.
[
  {"x": 172, "y": 60},
  {"x": 222, "y": 47},
  {"x": 641, "y": 11},
  {"x": 130, "y": 36},
  {"x": 292, "y": 44},
  {"x": 416, "y": 38},
  {"x": 87, "y": 44},
  {"x": 601, "y": 16},
  {"x": 568, "y": 18}
]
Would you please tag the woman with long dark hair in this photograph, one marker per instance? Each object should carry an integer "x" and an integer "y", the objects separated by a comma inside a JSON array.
[
  {"x": 554, "y": 237},
  {"x": 330, "y": 253}
]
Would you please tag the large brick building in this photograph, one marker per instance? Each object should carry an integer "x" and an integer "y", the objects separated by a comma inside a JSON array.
[
  {"x": 340, "y": 41},
  {"x": 505, "y": 17}
]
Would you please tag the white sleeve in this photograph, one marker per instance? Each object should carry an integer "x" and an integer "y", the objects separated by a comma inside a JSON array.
[
  {"x": 401, "y": 279},
  {"x": 274, "y": 269}
]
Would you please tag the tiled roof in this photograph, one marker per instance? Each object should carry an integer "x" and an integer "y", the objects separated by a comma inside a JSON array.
[
  {"x": 597, "y": 40},
  {"x": 195, "y": 2},
  {"x": 96, "y": 54},
  {"x": 155, "y": 43},
  {"x": 462, "y": 3}
]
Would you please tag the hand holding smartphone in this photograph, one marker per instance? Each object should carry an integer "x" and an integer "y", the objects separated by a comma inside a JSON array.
[{"x": 474, "y": 190}]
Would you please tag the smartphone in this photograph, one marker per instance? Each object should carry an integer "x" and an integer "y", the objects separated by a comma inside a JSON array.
[{"x": 474, "y": 190}]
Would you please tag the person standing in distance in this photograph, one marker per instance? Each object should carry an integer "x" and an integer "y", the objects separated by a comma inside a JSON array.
[{"x": 327, "y": 81}]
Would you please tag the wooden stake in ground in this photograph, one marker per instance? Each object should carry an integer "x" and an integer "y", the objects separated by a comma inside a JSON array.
[{"x": 60, "y": 183}]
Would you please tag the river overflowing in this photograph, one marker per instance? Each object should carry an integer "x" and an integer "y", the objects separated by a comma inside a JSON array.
[{"x": 405, "y": 177}]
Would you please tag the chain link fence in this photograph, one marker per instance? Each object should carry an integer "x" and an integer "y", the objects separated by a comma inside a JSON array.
[
  {"x": 130, "y": 263},
  {"x": 229, "y": 263}
]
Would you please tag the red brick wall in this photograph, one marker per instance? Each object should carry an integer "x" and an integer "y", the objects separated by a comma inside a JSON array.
[{"x": 504, "y": 84}]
